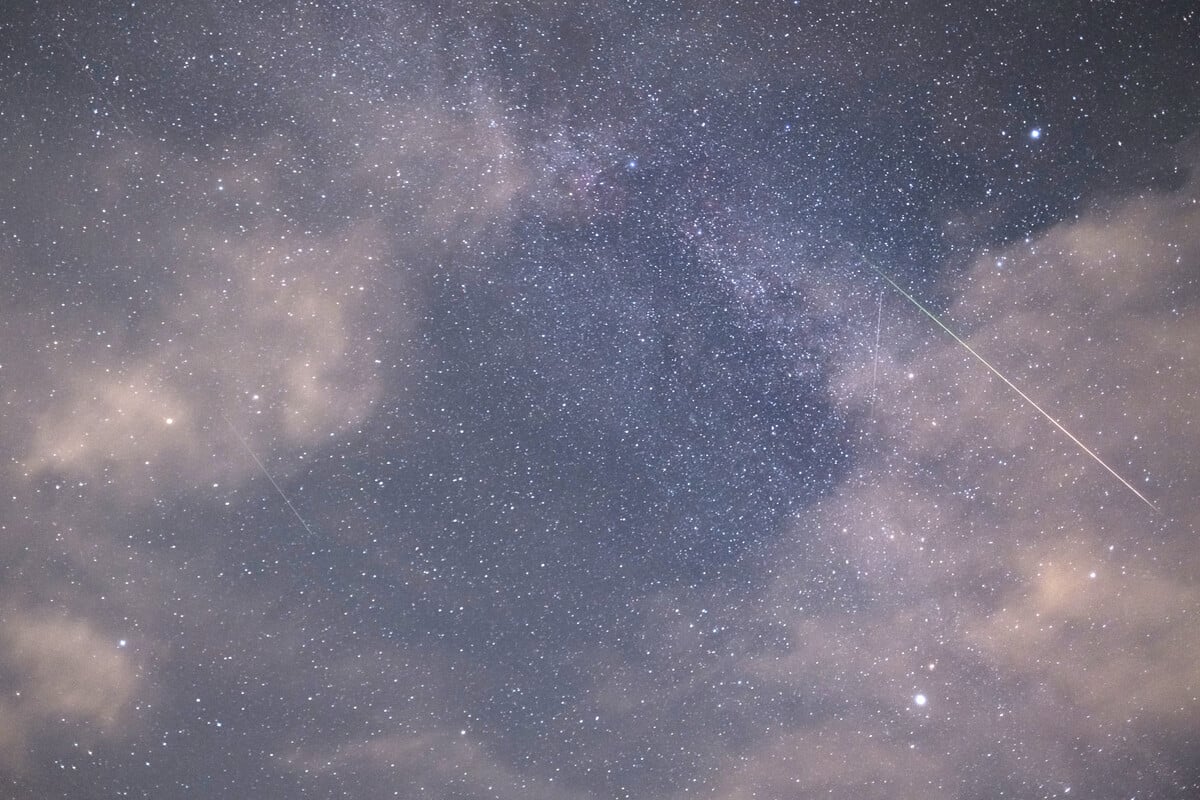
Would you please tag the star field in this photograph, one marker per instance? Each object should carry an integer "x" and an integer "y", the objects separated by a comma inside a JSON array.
[{"x": 513, "y": 400}]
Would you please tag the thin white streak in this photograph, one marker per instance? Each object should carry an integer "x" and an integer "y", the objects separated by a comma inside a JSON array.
[
  {"x": 1013, "y": 386},
  {"x": 261, "y": 466}
]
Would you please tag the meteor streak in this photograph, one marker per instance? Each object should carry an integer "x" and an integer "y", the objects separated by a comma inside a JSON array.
[
  {"x": 261, "y": 466},
  {"x": 1013, "y": 386},
  {"x": 875, "y": 361}
]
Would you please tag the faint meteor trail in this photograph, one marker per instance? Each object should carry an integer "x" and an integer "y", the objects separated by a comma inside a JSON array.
[
  {"x": 261, "y": 466},
  {"x": 875, "y": 362},
  {"x": 1013, "y": 386}
]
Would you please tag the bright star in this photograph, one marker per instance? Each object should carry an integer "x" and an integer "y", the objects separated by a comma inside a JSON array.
[
  {"x": 920, "y": 700},
  {"x": 1036, "y": 133}
]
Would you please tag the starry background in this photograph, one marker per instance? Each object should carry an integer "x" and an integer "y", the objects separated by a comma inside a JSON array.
[{"x": 498, "y": 400}]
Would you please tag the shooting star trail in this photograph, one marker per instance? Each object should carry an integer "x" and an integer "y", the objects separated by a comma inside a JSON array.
[
  {"x": 1013, "y": 386},
  {"x": 261, "y": 466},
  {"x": 875, "y": 362},
  {"x": 102, "y": 93}
]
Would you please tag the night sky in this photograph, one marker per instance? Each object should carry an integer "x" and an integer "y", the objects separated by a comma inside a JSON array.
[{"x": 509, "y": 400}]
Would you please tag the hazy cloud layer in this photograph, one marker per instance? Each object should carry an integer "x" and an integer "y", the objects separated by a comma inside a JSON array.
[
  {"x": 501, "y": 402},
  {"x": 62, "y": 671},
  {"x": 1027, "y": 596}
]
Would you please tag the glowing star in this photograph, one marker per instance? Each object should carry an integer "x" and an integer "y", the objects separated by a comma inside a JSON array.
[
  {"x": 1036, "y": 133},
  {"x": 169, "y": 420},
  {"x": 121, "y": 643},
  {"x": 920, "y": 699}
]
